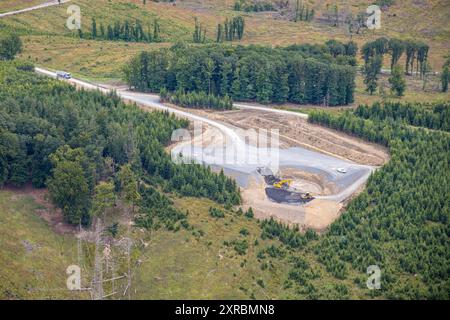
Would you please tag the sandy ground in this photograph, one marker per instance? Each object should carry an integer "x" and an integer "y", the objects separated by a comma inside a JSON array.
[
  {"x": 308, "y": 182},
  {"x": 317, "y": 214}
]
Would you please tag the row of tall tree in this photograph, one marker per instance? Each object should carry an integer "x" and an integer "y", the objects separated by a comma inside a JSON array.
[
  {"x": 247, "y": 73},
  {"x": 71, "y": 140},
  {"x": 303, "y": 12},
  {"x": 373, "y": 53}
]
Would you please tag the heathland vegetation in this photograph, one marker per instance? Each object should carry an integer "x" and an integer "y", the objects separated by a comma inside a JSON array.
[{"x": 71, "y": 140}]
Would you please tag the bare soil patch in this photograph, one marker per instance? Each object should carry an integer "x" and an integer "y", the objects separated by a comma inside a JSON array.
[
  {"x": 295, "y": 131},
  {"x": 319, "y": 214}
]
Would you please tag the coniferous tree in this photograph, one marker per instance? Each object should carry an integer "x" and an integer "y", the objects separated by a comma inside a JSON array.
[
  {"x": 110, "y": 33},
  {"x": 422, "y": 56},
  {"x": 219, "y": 33},
  {"x": 156, "y": 32},
  {"x": 197, "y": 36},
  {"x": 410, "y": 49},
  {"x": 104, "y": 199},
  {"x": 102, "y": 31},
  {"x": 69, "y": 186}
]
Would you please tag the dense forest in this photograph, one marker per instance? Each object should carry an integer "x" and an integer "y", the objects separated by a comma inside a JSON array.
[
  {"x": 401, "y": 221},
  {"x": 303, "y": 74},
  {"x": 71, "y": 140}
]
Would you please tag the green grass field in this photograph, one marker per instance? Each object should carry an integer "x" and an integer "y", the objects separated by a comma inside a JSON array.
[{"x": 197, "y": 264}]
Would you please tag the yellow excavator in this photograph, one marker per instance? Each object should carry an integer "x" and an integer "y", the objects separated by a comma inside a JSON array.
[{"x": 283, "y": 184}]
